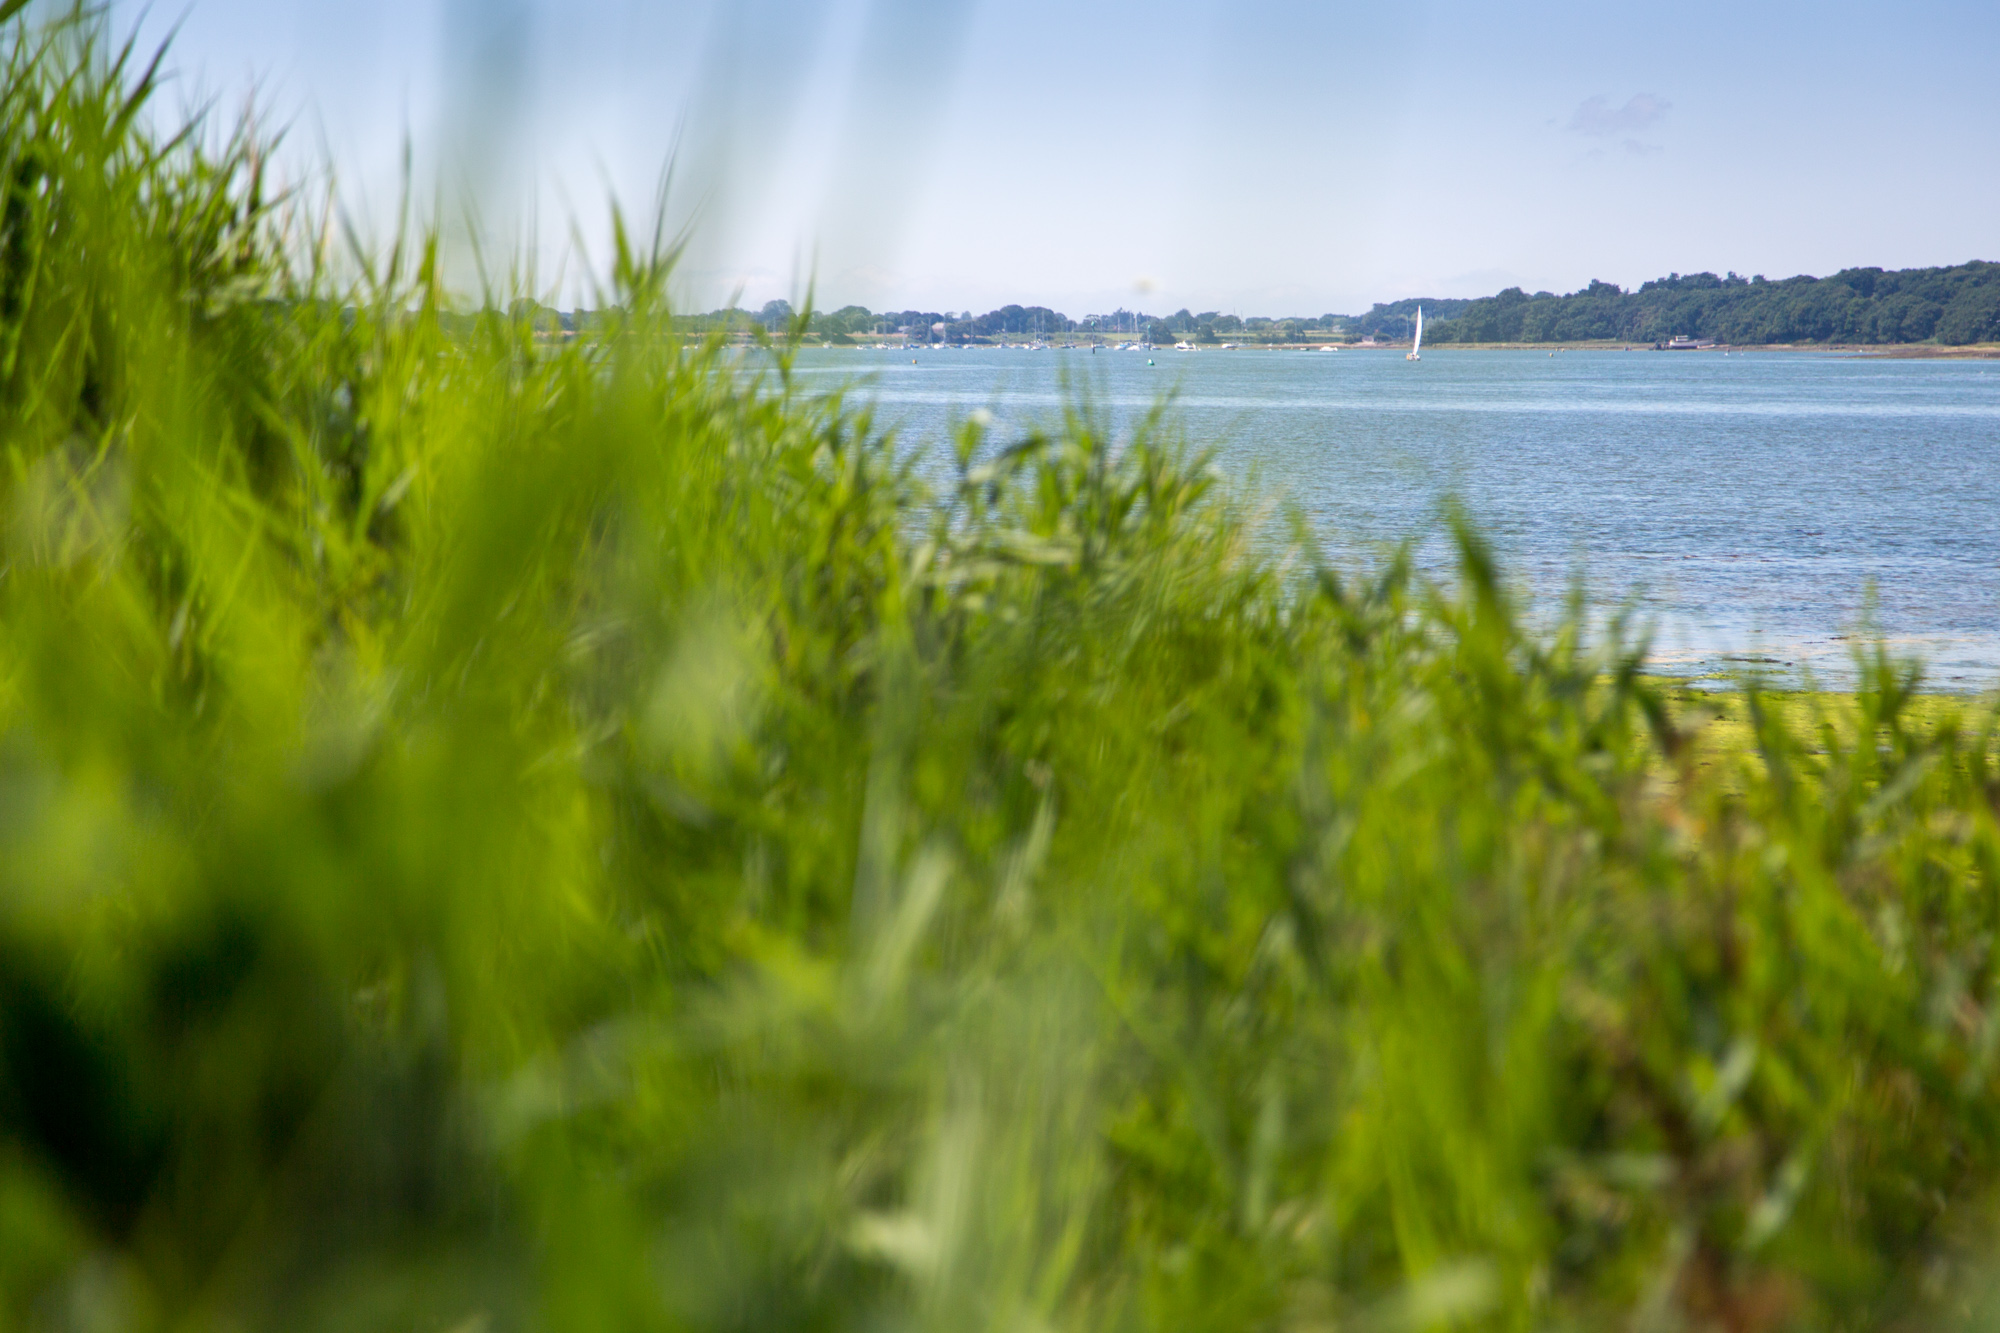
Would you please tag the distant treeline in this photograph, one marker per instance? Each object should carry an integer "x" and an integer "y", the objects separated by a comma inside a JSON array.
[
  {"x": 1391, "y": 320},
  {"x": 1858, "y": 305},
  {"x": 855, "y": 322}
]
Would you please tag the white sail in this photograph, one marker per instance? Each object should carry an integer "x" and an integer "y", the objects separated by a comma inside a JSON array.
[{"x": 1418, "y": 346}]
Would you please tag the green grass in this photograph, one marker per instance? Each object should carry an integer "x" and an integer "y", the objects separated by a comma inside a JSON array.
[{"x": 498, "y": 833}]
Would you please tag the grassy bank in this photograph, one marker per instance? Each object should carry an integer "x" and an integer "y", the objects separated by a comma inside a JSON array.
[
  {"x": 500, "y": 833},
  {"x": 1975, "y": 352},
  {"x": 1723, "y": 727}
]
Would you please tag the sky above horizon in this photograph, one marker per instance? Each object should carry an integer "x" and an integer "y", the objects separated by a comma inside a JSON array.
[{"x": 1277, "y": 158}]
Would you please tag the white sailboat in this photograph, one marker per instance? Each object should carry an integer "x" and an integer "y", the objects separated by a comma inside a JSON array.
[{"x": 1417, "y": 347}]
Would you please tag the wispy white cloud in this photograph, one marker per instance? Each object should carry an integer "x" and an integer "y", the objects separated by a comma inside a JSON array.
[{"x": 1598, "y": 118}]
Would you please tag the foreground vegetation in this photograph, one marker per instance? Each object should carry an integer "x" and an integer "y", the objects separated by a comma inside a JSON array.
[{"x": 498, "y": 833}]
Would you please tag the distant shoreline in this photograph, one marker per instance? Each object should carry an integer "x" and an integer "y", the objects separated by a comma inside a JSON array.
[
  {"x": 1919, "y": 352},
  {"x": 1895, "y": 351}
]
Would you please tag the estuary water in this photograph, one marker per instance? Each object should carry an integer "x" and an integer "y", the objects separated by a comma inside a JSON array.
[{"x": 1760, "y": 510}]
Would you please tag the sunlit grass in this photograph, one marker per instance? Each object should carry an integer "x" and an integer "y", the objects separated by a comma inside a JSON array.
[{"x": 501, "y": 832}]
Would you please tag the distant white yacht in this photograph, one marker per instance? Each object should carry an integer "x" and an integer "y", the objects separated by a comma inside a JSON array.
[{"x": 1416, "y": 348}]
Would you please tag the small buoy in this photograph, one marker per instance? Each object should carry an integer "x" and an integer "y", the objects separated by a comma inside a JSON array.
[
  {"x": 913, "y": 360},
  {"x": 1149, "y": 360}
]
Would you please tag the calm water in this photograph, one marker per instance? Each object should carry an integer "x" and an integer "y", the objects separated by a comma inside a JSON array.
[{"x": 1749, "y": 502}]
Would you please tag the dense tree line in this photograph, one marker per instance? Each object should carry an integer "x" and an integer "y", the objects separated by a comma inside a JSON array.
[
  {"x": 1392, "y": 320},
  {"x": 855, "y": 322},
  {"x": 1955, "y": 306}
]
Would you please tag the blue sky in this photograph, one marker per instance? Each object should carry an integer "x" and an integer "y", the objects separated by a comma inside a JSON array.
[{"x": 1267, "y": 158}]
